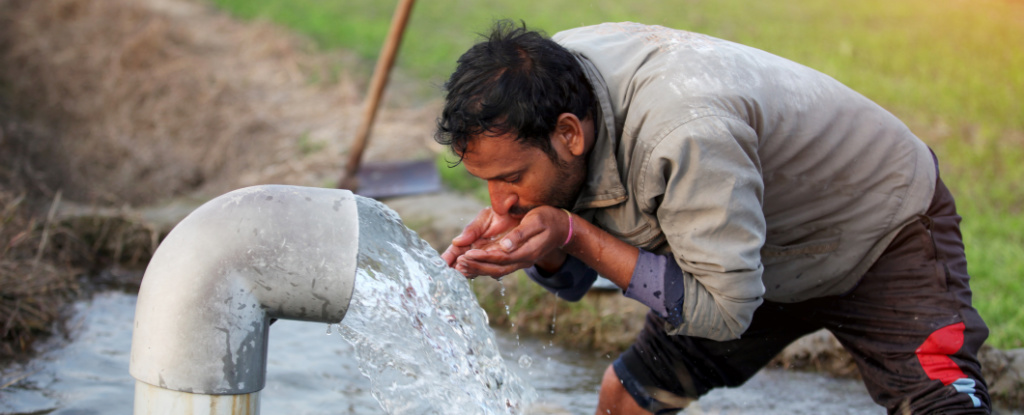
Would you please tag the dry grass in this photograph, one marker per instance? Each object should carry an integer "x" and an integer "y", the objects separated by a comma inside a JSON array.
[
  {"x": 44, "y": 260},
  {"x": 150, "y": 100},
  {"x": 34, "y": 283},
  {"x": 110, "y": 104},
  {"x": 42, "y": 255}
]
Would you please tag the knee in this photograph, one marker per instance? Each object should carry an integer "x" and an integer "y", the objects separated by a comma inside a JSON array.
[{"x": 614, "y": 398}]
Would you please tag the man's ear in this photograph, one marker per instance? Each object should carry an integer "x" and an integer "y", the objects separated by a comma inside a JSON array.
[{"x": 569, "y": 133}]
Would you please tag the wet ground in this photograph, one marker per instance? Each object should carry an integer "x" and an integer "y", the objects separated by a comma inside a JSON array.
[{"x": 311, "y": 372}]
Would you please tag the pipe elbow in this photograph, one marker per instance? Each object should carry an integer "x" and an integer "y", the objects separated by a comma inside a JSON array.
[{"x": 211, "y": 288}]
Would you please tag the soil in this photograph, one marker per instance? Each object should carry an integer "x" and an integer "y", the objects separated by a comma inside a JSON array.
[{"x": 118, "y": 117}]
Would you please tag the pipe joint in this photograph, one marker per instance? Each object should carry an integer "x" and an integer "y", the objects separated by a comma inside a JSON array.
[{"x": 235, "y": 263}]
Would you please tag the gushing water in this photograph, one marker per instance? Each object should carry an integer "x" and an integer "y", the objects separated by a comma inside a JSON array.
[{"x": 418, "y": 332}]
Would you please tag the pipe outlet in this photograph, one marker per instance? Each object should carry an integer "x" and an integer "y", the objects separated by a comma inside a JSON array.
[{"x": 238, "y": 261}]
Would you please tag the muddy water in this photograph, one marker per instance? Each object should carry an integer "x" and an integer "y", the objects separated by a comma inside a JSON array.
[{"x": 311, "y": 372}]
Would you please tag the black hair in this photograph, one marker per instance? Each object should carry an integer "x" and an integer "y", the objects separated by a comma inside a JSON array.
[{"x": 514, "y": 81}]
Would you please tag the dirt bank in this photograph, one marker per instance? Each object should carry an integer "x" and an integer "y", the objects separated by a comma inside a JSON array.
[
  {"x": 111, "y": 105},
  {"x": 140, "y": 101}
]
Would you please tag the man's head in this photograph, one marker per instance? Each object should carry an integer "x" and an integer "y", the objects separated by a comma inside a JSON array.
[{"x": 521, "y": 87}]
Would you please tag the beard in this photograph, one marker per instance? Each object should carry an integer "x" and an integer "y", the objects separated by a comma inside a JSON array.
[{"x": 564, "y": 189}]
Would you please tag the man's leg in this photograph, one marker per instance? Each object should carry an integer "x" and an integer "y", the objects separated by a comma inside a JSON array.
[
  {"x": 662, "y": 374},
  {"x": 614, "y": 397},
  {"x": 910, "y": 325}
]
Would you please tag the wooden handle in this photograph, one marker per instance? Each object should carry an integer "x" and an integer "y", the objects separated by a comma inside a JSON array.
[{"x": 377, "y": 82}]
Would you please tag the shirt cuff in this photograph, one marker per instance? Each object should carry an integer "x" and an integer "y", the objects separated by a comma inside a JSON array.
[
  {"x": 569, "y": 283},
  {"x": 657, "y": 282}
]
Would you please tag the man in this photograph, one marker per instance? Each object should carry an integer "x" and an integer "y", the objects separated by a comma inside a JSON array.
[{"x": 746, "y": 199}]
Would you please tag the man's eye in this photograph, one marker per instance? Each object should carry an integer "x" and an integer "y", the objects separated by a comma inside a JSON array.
[{"x": 512, "y": 179}]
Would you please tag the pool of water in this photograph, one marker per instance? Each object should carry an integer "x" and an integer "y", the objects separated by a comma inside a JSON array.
[{"x": 311, "y": 372}]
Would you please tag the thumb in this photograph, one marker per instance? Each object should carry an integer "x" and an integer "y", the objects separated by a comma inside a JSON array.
[
  {"x": 515, "y": 239},
  {"x": 510, "y": 242}
]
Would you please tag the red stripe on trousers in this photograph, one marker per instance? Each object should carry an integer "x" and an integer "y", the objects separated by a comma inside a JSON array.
[{"x": 935, "y": 351}]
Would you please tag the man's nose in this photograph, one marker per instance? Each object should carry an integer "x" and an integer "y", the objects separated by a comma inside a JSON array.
[{"x": 501, "y": 199}]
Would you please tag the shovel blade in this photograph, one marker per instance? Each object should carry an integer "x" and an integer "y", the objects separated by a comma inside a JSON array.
[{"x": 400, "y": 178}]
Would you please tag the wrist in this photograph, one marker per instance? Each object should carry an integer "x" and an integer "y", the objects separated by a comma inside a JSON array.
[
  {"x": 551, "y": 262},
  {"x": 570, "y": 231}
]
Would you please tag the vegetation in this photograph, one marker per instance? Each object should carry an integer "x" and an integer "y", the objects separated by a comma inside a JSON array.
[
  {"x": 953, "y": 70},
  {"x": 142, "y": 106}
]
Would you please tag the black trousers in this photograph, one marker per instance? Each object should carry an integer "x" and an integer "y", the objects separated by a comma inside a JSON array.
[{"x": 908, "y": 324}]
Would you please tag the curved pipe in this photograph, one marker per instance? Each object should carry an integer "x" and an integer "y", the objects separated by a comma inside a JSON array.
[{"x": 226, "y": 270}]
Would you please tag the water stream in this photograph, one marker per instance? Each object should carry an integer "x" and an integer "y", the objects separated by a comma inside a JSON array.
[
  {"x": 415, "y": 341},
  {"x": 419, "y": 334}
]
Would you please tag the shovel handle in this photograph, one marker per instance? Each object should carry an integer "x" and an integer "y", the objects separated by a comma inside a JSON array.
[{"x": 349, "y": 180}]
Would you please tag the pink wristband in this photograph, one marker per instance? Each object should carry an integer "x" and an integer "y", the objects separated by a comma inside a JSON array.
[{"x": 569, "y": 237}]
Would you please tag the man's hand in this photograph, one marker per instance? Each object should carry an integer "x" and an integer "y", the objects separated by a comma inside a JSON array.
[
  {"x": 480, "y": 233},
  {"x": 536, "y": 240}
]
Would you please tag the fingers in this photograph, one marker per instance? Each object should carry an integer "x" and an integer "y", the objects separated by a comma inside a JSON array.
[
  {"x": 500, "y": 224},
  {"x": 485, "y": 225},
  {"x": 523, "y": 257},
  {"x": 452, "y": 253},
  {"x": 518, "y": 236},
  {"x": 475, "y": 229},
  {"x": 535, "y": 229},
  {"x": 472, "y": 267},
  {"x": 464, "y": 241},
  {"x": 526, "y": 241},
  {"x": 493, "y": 256}
]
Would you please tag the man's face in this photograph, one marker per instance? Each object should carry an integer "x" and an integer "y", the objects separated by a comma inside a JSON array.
[{"x": 521, "y": 177}]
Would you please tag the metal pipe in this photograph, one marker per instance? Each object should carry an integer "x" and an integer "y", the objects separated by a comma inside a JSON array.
[
  {"x": 214, "y": 284},
  {"x": 154, "y": 400}
]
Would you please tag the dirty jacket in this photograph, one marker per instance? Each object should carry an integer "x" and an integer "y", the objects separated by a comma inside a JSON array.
[{"x": 763, "y": 178}]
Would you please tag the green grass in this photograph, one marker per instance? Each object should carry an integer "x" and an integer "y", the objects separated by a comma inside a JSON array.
[
  {"x": 954, "y": 70},
  {"x": 986, "y": 178},
  {"x": 955, "y": 60}
]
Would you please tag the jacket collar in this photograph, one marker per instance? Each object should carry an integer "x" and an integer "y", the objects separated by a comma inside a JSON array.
[{"x": 603, "y": 186}]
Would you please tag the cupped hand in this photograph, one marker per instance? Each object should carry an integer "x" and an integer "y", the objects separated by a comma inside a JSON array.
[
  {"x": 485, "y": 229},
  {"x": 538, "y": 237}
]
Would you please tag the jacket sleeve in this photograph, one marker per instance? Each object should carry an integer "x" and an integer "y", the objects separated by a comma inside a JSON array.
[
  {"x": 657, "y": 282},
  {"x": 704, "y": 181}
]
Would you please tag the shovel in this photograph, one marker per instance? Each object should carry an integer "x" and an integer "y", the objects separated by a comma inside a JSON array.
[{"x": 378, "y": 180}]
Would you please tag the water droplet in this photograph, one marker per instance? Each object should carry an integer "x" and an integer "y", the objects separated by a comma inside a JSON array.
[
  {"x": 328, "y": 329},
  {"x": 525, "y": 361}
]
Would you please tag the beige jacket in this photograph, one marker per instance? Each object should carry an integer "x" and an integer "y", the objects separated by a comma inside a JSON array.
[{"x": 764, "y": 178}]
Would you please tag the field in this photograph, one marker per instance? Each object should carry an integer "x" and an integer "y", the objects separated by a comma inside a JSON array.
[{"x": 954, "y": 71}]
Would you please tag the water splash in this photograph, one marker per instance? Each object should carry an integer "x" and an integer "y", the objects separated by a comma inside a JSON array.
[
  {"x": 554, "y": 319},
  {"x": 525, "y": 361},
  {"x": 419, "y": 334},
  {"x": 508, "y": 313}
]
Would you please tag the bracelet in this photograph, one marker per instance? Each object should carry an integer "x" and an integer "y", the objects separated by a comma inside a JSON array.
[{"x": 569, "y": 237}]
